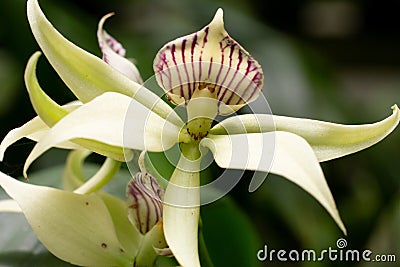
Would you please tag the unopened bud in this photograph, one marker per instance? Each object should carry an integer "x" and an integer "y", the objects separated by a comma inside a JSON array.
[{"x": 144, "y": 201}]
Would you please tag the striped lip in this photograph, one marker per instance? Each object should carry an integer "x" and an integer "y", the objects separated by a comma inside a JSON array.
[
  {"x": 211, "y": 59},
  {"x": 144, "y": 201}
]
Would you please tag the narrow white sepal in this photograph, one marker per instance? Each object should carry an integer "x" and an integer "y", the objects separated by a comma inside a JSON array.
[
  {"x": 113, "y": 119},
  {"x": 282, "y": 153},
  {"x": 9, "y": 205},
  {"x": 328, "y": 140},
  {"x": 180, "y": 222}
]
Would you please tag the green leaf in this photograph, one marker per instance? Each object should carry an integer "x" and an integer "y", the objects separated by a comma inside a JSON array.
[
  {"x": 229, "y": 235},
  {"x": 19, "y": 246}
]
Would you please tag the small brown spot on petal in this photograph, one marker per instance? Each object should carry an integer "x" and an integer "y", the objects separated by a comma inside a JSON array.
[{"x": 103, "y": 245}]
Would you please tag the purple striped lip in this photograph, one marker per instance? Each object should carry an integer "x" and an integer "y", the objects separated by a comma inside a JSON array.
[
  {"x": 211, "y": 59},
  {"x": 144, "y": 201}
]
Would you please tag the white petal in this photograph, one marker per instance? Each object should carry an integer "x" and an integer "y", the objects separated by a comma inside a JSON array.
[
  {"x": 34, "y": 129},
  {"x": 86, "y": 75},
  {"x": 113, "y": 119},
  {"x": 75, "y": 228},
  {"x": 328, "y": 140},
  {"x": 181, "y": 215},
  {"x": 127, "y": 234},
  {"x": 282, "y": 153},
  {"x": 73, "y": 176},
  {"x": 114, "y": 53},
  {"x": 9, "y": 205}
]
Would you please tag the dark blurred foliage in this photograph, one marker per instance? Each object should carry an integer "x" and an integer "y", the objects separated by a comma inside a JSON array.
[{"x": 329, "y": 60}]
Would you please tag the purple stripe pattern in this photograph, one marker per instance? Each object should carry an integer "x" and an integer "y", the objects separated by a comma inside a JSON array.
[
  {"x": 144, "y": 200},
  {"x": 211, "y": 59},
  {"x": 114, "y": 53}
]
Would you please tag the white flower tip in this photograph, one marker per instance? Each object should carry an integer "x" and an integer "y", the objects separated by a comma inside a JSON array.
[
  {"x": 395, "y": 109},
  {"x": 103, "y": 19},
  {"x": 218, "y": 19}
]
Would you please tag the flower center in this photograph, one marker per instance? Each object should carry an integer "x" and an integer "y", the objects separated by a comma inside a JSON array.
[{"x": 198, "y": 128}]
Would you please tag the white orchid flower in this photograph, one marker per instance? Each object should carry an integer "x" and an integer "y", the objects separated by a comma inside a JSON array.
[{"x": 210, "y": 74}]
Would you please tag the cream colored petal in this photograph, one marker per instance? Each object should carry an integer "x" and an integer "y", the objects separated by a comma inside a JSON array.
[
  {"x": 113, "y": 119},
  {"x": 282, "y": 153},
  {"x": 114, "y": 53},
  {"x": 34, "y": 129},
  {"x": 50, "y": 112},
  {"x": 181, "y": 214},
  {"x": 73, "y": 176},
  {"x": 86, "y": 75},
  {"x": 128, "y": 235},
  {"x": 47, "y": 109},
  {"x": 75, "y": 228},
  {"x": 328, "y": 140},
  {"x": 9, "y": 205}
]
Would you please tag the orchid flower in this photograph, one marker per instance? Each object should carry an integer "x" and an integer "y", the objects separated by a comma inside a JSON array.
[{"x": 207, "y": 72}]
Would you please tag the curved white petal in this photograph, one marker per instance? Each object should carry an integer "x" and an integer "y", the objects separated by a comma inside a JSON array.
[
  {"x": 76, "y": 228},
  {"x": 86, "y": 75},
  {"x": 328, "y": 140},
  {"x": 73, "y": 176},
  {"x": 34, "y": 129},
  {"x": 46, "y": 108},
  {"x": 211, "y": 59},
  {"x": 181, "y": 214},
  {"x": 113, "y": 119},
  {"x": 282, "y": 153},
  {"x": 114, "y": 53},
  {"x": 9, "y": 205}
]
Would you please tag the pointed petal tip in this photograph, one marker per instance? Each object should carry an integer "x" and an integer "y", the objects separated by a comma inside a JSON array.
[
  {"x": 219, "y": 14},
  {"x": 103, "y": 19},
  {"x": 218, "y": 20},
  {"x": 395, "y": 108}
]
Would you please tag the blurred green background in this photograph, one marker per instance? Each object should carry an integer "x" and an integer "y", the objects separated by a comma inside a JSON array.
[{"x": 330, "y": 60}]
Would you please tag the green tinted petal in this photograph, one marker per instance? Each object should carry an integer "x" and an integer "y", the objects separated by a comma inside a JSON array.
[
  {"x": 282, "y": 153},
  {"x": 73, "y": 176},
  {"x": 328, "y": 140},
  {"x": 86, "y": 75},
  {"x": 113, "y": 119},
  {"x": 128, "y": 235},
  {"x": 48, "y": 110},
  {"x": 76, "y": 228},
  {"x": 181, "y": 211},
  {"x": 34, "y": 130}
]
